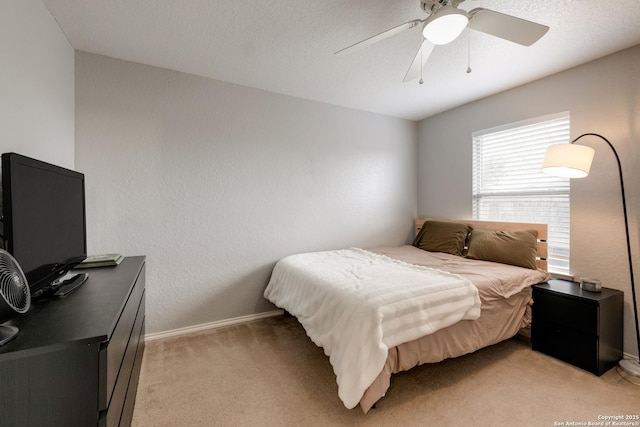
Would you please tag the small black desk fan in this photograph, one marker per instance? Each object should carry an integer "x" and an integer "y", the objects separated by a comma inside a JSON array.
[{"x": 15, "y": 297}]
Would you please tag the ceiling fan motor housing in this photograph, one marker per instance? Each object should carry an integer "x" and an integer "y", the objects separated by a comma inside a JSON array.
[{"x": 430, "y": 6}]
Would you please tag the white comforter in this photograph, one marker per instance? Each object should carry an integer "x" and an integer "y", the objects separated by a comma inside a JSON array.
[{"x": 356, "y": 304}]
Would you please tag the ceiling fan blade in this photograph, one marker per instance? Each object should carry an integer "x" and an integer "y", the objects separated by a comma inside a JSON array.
[
  {"x": 418, "y": 62},
  {"x": 383, "y": 35},
  {"x": 506, "y": 27}
]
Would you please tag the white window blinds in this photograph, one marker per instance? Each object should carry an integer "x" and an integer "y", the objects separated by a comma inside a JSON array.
[{"x": 508, "y": 184}]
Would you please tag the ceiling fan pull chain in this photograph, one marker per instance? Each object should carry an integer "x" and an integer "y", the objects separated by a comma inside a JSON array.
[
  {"x": 421, "y": 66},
  {"x": 469, "y": 52}
]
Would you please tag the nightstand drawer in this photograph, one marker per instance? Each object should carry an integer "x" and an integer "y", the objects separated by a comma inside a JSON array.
[
  {"x": 572, "y": 313},
  {"x": 566, "y": 344}
]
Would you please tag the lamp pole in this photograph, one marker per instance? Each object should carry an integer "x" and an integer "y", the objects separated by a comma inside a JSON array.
[{"x": 626, "y": 229}]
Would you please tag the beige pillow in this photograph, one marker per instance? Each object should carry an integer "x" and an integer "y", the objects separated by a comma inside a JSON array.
[
  {"x": 441, "y": 236},
  {"x": 507, "y": 247}
]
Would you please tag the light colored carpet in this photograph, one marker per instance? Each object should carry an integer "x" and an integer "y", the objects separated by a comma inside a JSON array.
[{"x": 269, "y": 373}]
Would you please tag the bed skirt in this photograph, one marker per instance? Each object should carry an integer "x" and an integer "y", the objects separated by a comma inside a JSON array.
[{"x": 500, "y": 320}]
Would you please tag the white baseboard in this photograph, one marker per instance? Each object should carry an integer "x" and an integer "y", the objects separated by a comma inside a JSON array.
[{"x": 211, "y": 325}]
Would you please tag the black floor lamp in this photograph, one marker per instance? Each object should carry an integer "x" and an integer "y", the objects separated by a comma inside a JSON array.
[{"x": 574, "y": 161}]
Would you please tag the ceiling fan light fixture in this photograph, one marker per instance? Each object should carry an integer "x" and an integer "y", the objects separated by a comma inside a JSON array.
[{"x": 445, "y": 25}]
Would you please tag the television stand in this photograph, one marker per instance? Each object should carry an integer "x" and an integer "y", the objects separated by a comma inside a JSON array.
[{"x": 70, "y": 283}]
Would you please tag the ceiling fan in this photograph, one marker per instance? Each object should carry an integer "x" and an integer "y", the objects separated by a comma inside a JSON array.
[{"x": 445, "y": 22}]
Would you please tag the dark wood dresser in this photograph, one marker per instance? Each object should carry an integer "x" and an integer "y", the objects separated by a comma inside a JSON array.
[
  {"x": 76, "y": 360},
  {"x": 579, "y": 327}
]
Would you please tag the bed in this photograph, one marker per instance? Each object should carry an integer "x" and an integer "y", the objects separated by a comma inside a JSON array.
[{"x": 461, "y": 286}]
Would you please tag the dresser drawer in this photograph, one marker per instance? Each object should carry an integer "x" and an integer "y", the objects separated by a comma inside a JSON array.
[
  {"x": 113, "y": 356},
  {"x": 130, "y": 399},
  {"x": 576, "y": 314},
  {"x": 566, "y": 344},
  {"x": 111, "y": 417}
]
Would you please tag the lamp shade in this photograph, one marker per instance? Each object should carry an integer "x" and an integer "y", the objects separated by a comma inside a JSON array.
[
  {"x": 568, "y": 160},
  {"x": 445, "y": 25}
]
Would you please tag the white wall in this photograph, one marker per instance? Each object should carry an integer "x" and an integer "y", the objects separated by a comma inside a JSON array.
[
  {"x": 603, "y": 97},
  {"x": 214, "y": 182},
  {"x": 36, "y": 84}
]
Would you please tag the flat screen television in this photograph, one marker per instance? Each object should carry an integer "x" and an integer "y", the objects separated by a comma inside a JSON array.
[{"x": 43, "y": 224}]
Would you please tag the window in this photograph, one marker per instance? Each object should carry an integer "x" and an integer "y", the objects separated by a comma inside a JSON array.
[{"x": 508, "y": 184}]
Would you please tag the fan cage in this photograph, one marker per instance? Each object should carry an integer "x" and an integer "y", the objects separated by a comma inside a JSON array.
[{"x": 14, "y": 289}]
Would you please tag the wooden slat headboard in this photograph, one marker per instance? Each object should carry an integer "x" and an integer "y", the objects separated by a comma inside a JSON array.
[{"x": 504, "y": 226}]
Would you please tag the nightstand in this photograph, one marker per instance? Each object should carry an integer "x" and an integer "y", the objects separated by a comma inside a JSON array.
[{"x": 580, "y": 327}]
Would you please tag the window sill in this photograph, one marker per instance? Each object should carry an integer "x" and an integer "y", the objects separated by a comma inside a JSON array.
[{"x": 563, "y": 276}]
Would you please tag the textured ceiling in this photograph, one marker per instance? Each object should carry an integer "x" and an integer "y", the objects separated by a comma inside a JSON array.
[{"x": 287, "y": 46}]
